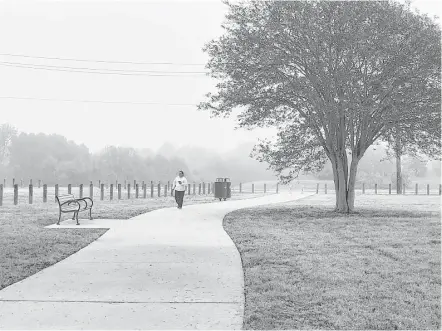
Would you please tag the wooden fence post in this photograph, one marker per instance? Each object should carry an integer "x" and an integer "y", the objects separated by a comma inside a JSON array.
[
  {"x": 417, "y": 189},
  {"x": 102, "y": 192},
  {"x": 389, "y": 188},
  {"x": 1, "y": 194},
  {"x": 81, "y": 191},
  {"x": 199, "y": 189},
  {"x": 194, "y": 186},
  {"x": 111, "y": 192},
  {"x": 171, "y": 191},
  {"x": 56, "y": 191},
  {"x": 16, "y": 194},
  {"x": 253, "y": 188},
  {"x": 317, "y": 188},
  {"x": 375, "y": 188},
  {"x": 168, "y": 184},
  {"x": 128, "y": 190},
  {"x": 45, "y": 193},
  {"x": 204, "y": 188},
  {"x": 144, "y": 190},
  {"x": 137, "y": 188},
  {"x": 69, "y": 188},
  {"x": 159, "y": 189},
  {"x": 208, "y": 188},
  {"x": 119, "y": 191},
  {"x": 165, "y": 190},
  {"x": 325, "y": 188},
  {"x": 363, "y": 188},
  {"x": 188, "y": 189},
  {"x": 428, "y": 189},
  {"x": 91, "y": 190},
  {"x": 151, "y": 189},
  {"x": 31, "y": 193}
]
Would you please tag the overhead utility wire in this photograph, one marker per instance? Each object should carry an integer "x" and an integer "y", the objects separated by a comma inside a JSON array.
[
  {"x": 102, "y": 72},
  {"x": 102, "y": 69},
  {"x": 98, "y": 101},
  {"x": 103, "y": 61}
]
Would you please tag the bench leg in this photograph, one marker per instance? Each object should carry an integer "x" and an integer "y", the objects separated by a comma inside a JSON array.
[
  {"x": 90, "y": 214},
  {"x": 77, "y": 219},
  {"x": 59, "y": 217},
  {"x": 73, "y": 217}
]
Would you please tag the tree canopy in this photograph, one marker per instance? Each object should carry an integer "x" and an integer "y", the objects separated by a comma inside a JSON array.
[{"x": 333, "y": 76}]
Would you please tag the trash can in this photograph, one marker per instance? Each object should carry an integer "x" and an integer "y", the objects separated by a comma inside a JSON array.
[{"x": 222, "y": 189}]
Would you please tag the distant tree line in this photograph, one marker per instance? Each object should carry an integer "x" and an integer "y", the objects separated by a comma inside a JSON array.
[{"x": 54, "y": 159}]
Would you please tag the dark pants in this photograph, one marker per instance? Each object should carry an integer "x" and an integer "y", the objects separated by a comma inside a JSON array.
[{"x": 179, "y": 197}]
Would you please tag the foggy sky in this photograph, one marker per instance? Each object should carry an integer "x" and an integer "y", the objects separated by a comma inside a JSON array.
[{"x": 166, "y": 31}]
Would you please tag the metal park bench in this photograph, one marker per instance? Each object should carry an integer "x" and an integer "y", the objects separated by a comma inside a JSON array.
[{"x": 67, "y": 203}]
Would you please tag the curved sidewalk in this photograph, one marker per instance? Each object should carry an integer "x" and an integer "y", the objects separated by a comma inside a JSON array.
[{"x": 166, "y": 269}]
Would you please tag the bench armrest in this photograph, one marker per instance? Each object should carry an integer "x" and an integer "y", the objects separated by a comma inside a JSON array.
[
  {"x": 88, "y": 205},
  {"x": 69, "y": 202}
]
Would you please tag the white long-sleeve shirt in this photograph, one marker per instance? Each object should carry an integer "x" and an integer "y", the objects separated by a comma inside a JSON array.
[{"x": 180, "y": 186}]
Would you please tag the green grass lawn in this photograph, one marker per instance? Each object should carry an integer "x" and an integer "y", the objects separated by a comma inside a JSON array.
[
  {"x": 27, "y": 247},
  {"x": 307, "y": 267}
]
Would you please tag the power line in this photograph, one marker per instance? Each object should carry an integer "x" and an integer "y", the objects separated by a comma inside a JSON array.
[
  {"x": 102, "y": 69},
  {"x": 98, "y": 101},
  {"x": 99, "y": 72},
  {"x": 102, "y": 61}
]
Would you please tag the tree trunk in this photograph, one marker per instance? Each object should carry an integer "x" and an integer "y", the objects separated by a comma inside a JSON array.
[
  {"x": 398, "y": 174},
  {"x": 345, "y": 183}
]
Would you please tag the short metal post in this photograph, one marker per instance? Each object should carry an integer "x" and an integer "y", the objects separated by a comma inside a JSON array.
[
  {"x": 102, "y": 192},
  {"x": 199, "y": 189},
  {"x": 194, "y": 186},
  {"x": 204, "y": 188},
  {"x": 165, "y": 190},
  {"x": 15, "y": 194},
  {"x": 144, "y": 190},
  {"x": 208, "y": 188},
  {"x": 389, "y": 188},
  {"x": 45, "y": 193},
  {"x": 417, "y": 189},
  {"x": 119, "y": 191},
  {"x": 128, "y": 190},
  {"x": 428, "y": 189},
  {"x": 111, "y": 192},
  {"x": 240, "y": 187},
  {"x": 363, "y": 188},
  {"x": 159, "y": 189},
  {"x": 136, "y": 190},
  {"x": 31, "y": 193},
  {"x": 1, "y": 194},
  {"x": 375, "y": 188},
  {"x": 69, "y": 188},
  {"x": 277, "y": 187},
  {"x": 81, "y": 191},
  {"x": 151, "y": 189},
  {"x": 188, "y": 189}
]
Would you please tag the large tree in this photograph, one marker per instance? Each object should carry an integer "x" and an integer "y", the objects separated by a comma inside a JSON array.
[{"x": 332, "y": 77}]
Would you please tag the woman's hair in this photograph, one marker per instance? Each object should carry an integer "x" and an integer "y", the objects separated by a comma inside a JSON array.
[{"x": 181, "y": 172}]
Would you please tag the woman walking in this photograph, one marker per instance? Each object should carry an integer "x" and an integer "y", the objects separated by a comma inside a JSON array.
[{"x": 179, "y": 185}]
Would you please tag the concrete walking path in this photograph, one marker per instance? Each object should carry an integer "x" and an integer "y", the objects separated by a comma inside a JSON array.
[{"x": 166, "y": 269}]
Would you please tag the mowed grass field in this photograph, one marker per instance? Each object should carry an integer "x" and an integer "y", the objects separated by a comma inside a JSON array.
[
  {"x": 307, "y": 267},
  {"x": 28, "y": 247}
]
